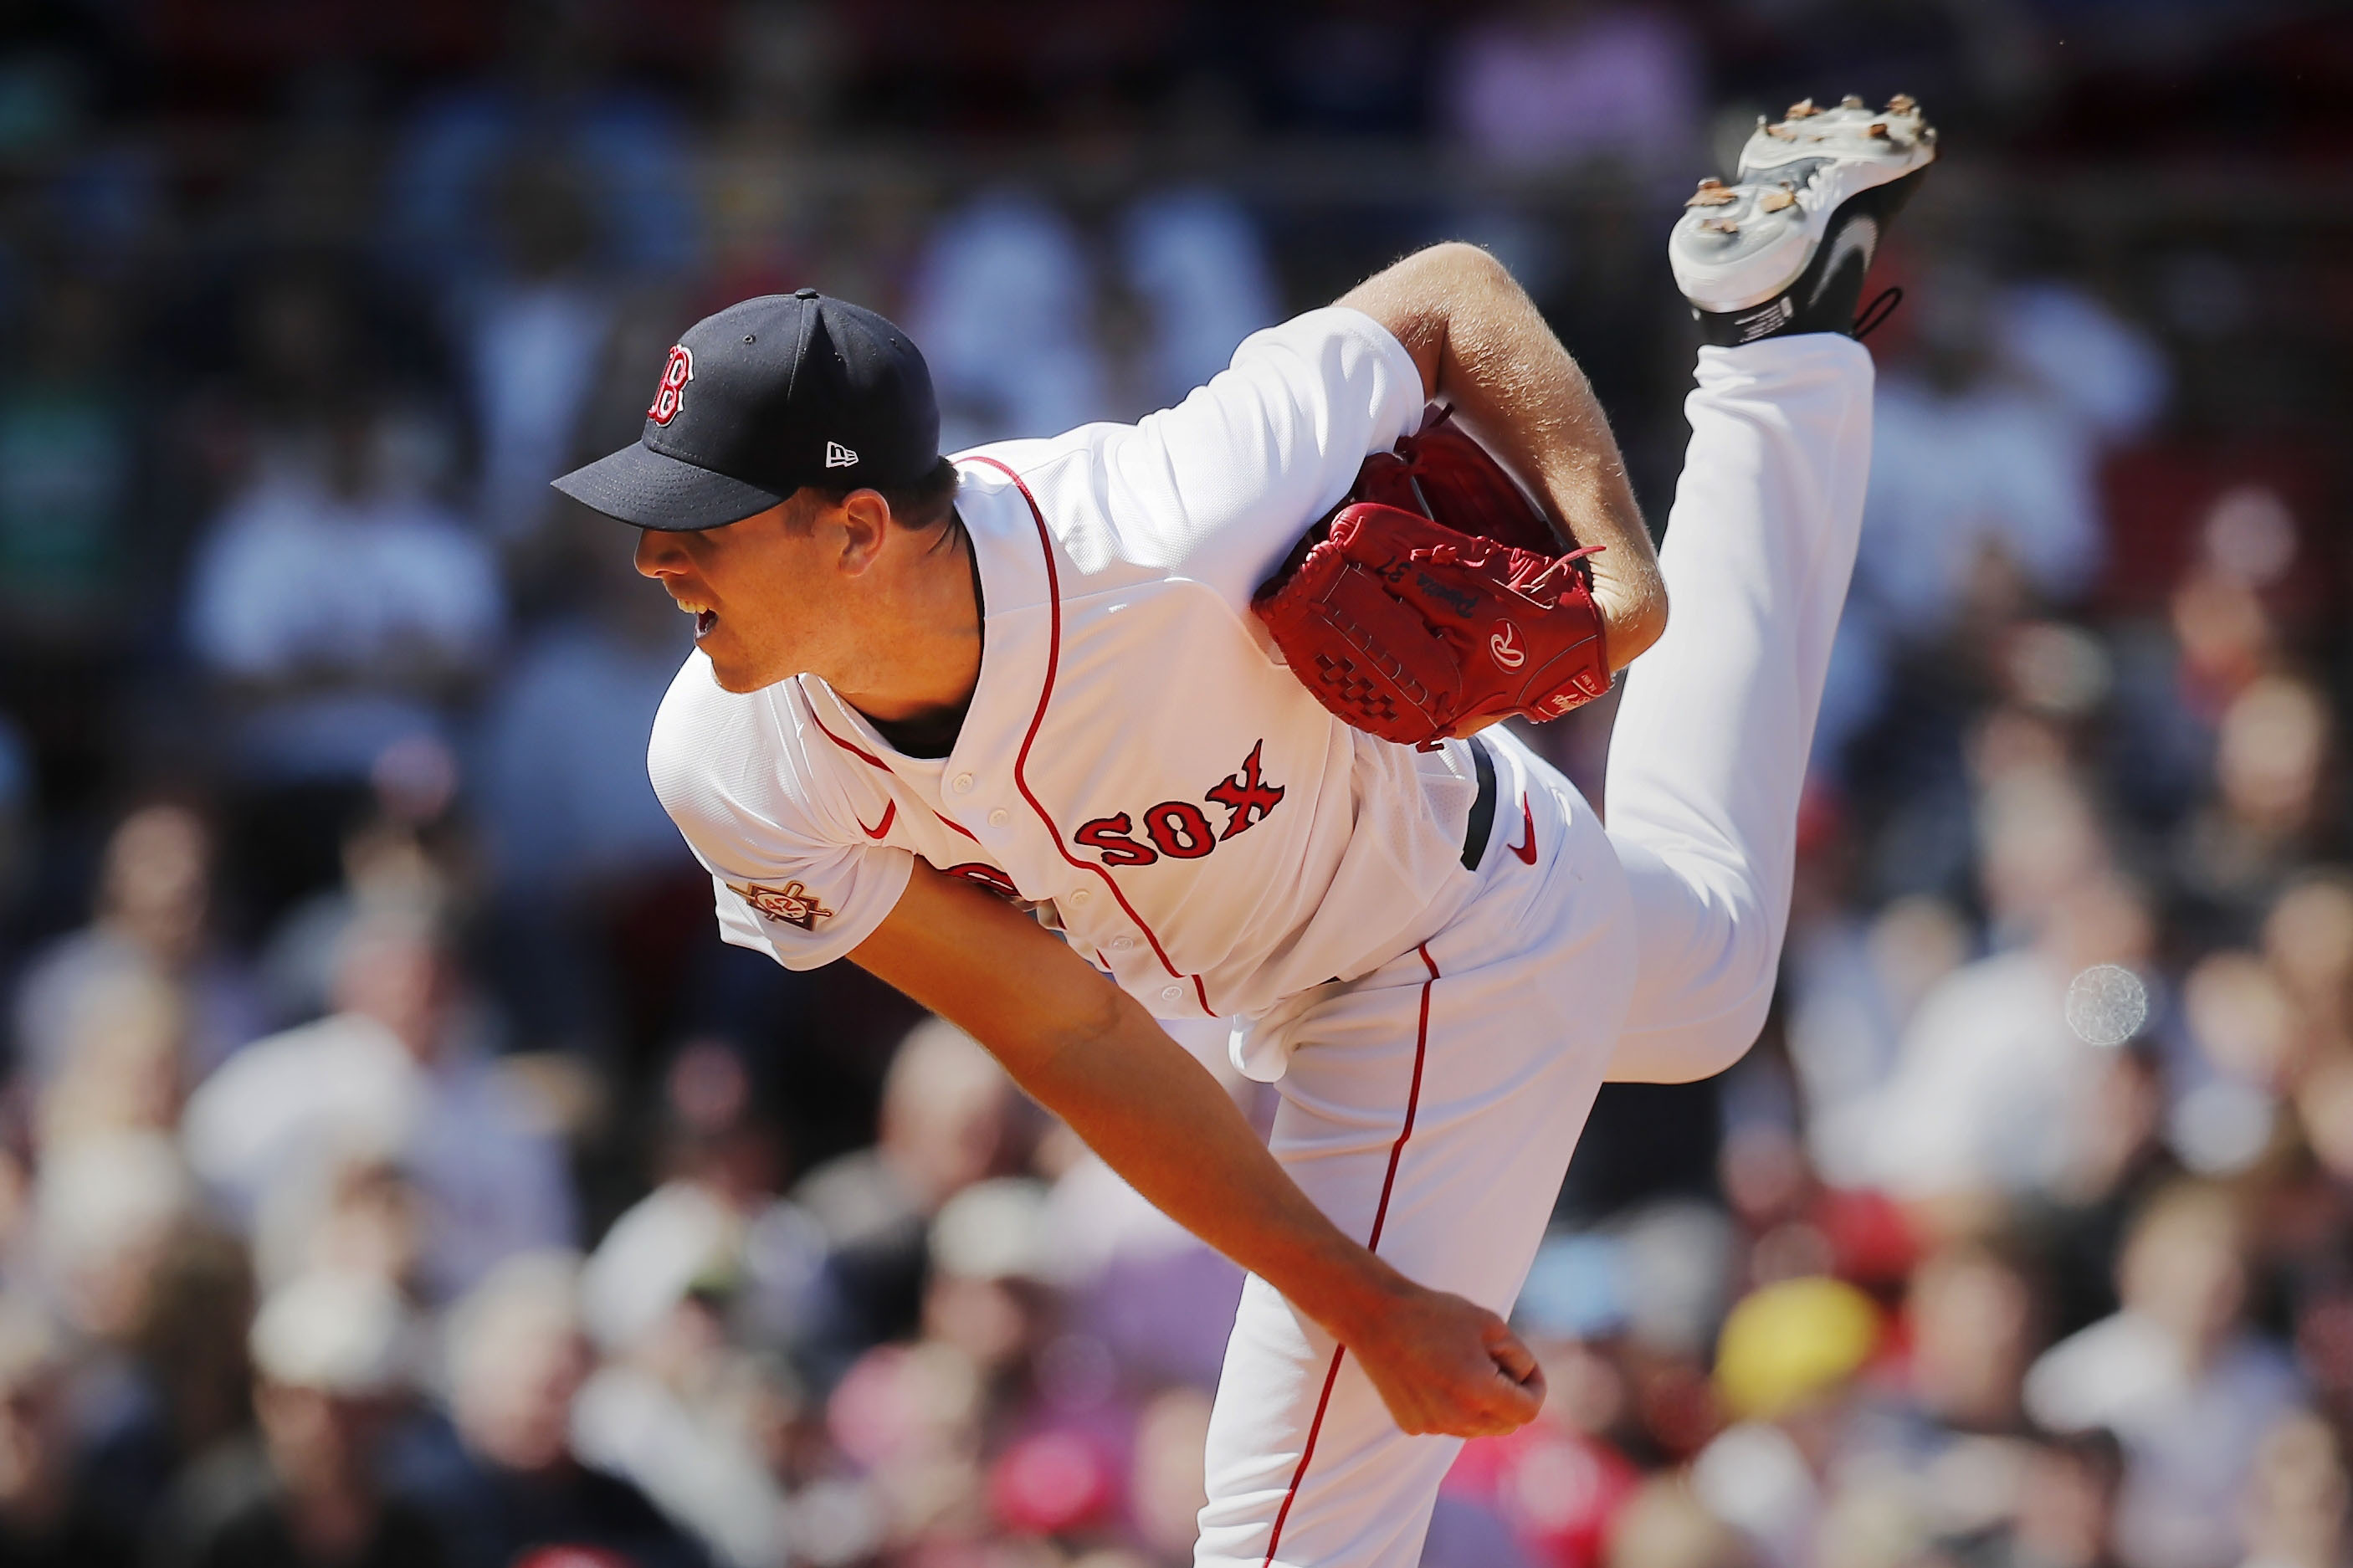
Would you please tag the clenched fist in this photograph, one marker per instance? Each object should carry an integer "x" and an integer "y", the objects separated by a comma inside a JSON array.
[{"x": 1443, "y": 1364}]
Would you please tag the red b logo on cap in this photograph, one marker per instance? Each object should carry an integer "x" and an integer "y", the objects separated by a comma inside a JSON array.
[{"x": 675, "y": 375}]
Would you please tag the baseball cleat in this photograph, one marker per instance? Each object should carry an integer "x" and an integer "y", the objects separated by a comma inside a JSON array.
[{"x": 1785, "y": 247}]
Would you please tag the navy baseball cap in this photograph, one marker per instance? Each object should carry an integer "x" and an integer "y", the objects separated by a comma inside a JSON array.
[{"x": 768, "y": 396}]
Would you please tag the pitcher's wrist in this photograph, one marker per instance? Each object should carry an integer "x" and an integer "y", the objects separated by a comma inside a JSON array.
[{"x": 1353, "y": 1297}]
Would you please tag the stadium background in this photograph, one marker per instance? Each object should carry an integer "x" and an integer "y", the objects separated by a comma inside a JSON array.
[{"x": 555, "y": 1232}]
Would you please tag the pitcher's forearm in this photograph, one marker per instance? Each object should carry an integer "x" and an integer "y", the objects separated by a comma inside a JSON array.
[
  {"x": 1164, "y": 1123},
  {"x": 1087, "y": 1052},
  {"x": 1483, "y": 346}
]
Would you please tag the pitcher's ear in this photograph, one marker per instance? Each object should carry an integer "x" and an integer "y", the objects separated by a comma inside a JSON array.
[{"x": 865, "y": 521}]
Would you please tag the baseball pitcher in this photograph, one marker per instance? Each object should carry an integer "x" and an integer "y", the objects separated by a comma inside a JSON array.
[{"x": 1191, "y": 719}]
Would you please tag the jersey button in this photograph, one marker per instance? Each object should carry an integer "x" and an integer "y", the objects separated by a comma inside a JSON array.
[
  {"x": 1080, "y": 895},
  {"x": 963, "y": 783},
  {"x": 1170, "y": 992},
  {"x": 1122, "y": 943},
  {"x": 999, "y": 818}
]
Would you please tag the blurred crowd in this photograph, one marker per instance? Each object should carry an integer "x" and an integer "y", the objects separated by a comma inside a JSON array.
[{"x": 395, "y": 1169}]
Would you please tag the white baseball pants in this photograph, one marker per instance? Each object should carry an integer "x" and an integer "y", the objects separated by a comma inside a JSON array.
[{"x": 1430, "y": 1107}]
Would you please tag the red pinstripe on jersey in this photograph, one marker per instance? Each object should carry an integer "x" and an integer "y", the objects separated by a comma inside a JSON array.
[
  {"x": 860, "y": 753},
  {"x": 1053, "y": 663},
  {"x": 1372, "y": 1242}
]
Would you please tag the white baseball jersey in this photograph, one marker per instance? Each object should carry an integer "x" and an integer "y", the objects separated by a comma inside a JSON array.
[{"x": 1137, "y": 762}]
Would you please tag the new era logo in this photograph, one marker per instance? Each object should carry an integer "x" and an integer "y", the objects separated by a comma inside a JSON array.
[{"x": 837, "y": 455}]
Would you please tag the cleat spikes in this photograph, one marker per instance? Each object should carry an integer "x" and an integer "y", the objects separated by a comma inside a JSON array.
[{"x": 1781, "y": 247}]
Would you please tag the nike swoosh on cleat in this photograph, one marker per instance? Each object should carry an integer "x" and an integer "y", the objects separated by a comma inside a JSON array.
[
  {"x": 1860, "y": 234},
  {"x": 1526, "y": 850},
  {"x": 890, "y": 812}
]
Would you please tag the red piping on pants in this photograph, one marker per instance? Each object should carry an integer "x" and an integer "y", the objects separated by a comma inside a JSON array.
[{"x": 1381, "y": 1216}]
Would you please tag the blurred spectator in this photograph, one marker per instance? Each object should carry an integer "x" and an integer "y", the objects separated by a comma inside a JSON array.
[
  {"x": 2308, "y": 940},
  {"x": 516, "y": 1358},
  {"x": 2272, "y": 810},
  {"x": 2066, "y": 1510},
  {"x": 1982, "y": 497},
  {"x": 1667, "y": 1526},
  {"x": 534, "y": 336},
  {"x": 574, "y": 835},
  {"x": 1854, "y": 988},
  {"x": 1787, "y": 1366},
  {"x": 1546, "y": 83},
  {"x": 2296, "y": 1508},
  {"x": 1196, "y": 258},
  {"x": 151, "y": 943},
  {"x": 179, "y": 1383},
  {"x": 336, "y": 609},
  {"x": 2179, "y": 1376},
  {"x": 121, "y": 1071},
  {"x": 715, "y": 1226},
  {"x": 393, "y": 1075},
  {"x": 2103, "y": 371},
  {"x": 45, "y": 1520},
  {"x": 331, "y": 1354},
  {"x": 690, "y": 1419},
  {"x": 694, "y": 1296},
  {"x": 1995, "y": 1075},
  {"x": 989, "y": 1251},
  {"x": 387, "y": 865},
  {"x": 1003, "y": 305},
  {"x": 114, "y": 1224},
  {"x": 1976, "y": 1322},
  {"x": 2244, "y": 1053},
  {"x": 555, "y": 98},
  {"x": 104, "y": 1209},
  {"x": 945, "y": 1123}
]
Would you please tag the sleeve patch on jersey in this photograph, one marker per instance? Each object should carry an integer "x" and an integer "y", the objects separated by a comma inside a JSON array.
[{"x": 792, "y": 904}]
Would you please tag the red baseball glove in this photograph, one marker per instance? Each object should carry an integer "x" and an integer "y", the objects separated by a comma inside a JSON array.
[{"x": 1434, "y": 606}]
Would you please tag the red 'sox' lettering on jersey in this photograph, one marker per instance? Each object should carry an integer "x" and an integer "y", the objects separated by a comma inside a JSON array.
[
  {"x": 676, "y": 373},
  {"x": 1180, "y": 830},
  {"x": 1246, "y": 796},
  {"x": 1109, "y": 836}
]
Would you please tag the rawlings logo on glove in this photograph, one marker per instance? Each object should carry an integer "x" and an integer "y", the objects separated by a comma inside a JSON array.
[{"x": 1434, "y": 606}]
